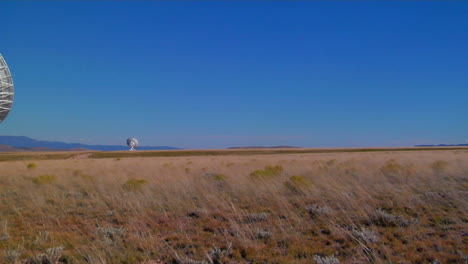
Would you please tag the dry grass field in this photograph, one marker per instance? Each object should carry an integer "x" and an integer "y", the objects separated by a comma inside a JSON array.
[{"x": 350, "y": 207}]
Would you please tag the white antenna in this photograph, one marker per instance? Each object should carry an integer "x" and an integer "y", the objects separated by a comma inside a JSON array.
[
  {"x": 6, "y": 89},
  {"x": 132, "y": 143}
]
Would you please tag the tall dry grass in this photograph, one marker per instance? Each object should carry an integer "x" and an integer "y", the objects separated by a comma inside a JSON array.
[{"x": 398, "y": 207}]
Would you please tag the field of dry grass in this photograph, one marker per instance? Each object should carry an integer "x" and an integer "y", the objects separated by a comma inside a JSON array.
[{"x": 360, "y": 207}]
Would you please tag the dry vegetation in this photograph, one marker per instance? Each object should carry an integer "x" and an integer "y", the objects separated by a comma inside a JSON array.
[{"x": 379, "y": 207}]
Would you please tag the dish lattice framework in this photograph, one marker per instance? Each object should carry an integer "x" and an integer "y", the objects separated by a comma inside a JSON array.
[
  {"x": 132, "y": 143},
  {"x": 6, "y": 89}
]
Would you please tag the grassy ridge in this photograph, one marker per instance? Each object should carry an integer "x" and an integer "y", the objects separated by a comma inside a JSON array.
[
  {"x": 35, "y": 156},
  {"x": 185, "y": 153}
]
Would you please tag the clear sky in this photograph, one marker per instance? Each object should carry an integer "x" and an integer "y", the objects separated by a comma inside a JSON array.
[{"x": 219, "y": 74}]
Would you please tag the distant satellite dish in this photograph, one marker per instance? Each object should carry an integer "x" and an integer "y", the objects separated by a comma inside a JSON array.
[
  {"x": 6, "y": 89},
  {"x": 132, "y": 143}
]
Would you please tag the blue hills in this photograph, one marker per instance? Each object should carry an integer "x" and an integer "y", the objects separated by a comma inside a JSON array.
[
  {"x": 443, "y": 145},
  {"x": 26, "y": 143}
]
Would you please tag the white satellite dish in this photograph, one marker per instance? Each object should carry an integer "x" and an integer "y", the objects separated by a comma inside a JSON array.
[
  {"x": 6, "y": 89},
  {"x": 132, "y": 143}
]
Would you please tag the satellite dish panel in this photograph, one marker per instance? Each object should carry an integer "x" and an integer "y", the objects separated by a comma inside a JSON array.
[
  {"x": 6, "y": 89},
  {"x": 132, "y": 143}
]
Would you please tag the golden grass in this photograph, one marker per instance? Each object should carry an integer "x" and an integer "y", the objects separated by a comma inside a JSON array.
[
  {"x": 360, "y": 207},
  {"x": 43, "y": 179}
]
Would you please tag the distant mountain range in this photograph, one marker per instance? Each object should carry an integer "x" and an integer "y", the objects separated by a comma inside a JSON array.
[
  {"x": 21, "y": 143},
  {"x": 444, "y": 145}
]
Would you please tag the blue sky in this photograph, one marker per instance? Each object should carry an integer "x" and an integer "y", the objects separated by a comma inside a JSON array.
[{"x": 219, "y": 74}]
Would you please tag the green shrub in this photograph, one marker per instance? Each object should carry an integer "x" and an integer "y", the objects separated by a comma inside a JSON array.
[
  {"x": 84, "y": 176},
  {"x": 297, "y": 184},
  {"x": 300, "y": 180},
  {"x": 391, "y": 168},
  {"x": 220, "y": 177},
  {"x": 439, "y": 166},
  {"x": 31, "y": 165},
  {"x": 134, "y": 184},
  {"x": 268, "y": 172},
  {"x": 43, "y": 179}
]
